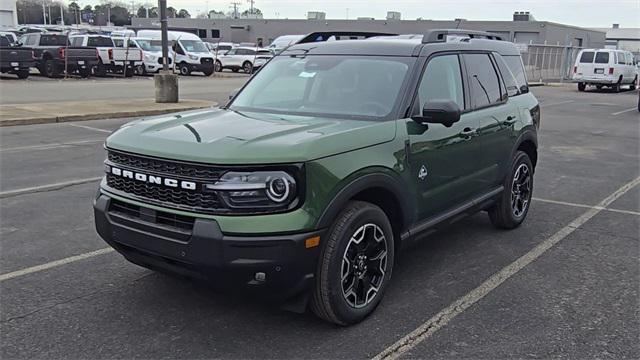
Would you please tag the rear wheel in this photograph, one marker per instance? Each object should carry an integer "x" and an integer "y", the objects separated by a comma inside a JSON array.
[
  {"x": 581, "y": 86},
  {"x": 218, "y": 66},
  {"x": 599, "y": 87},
  {"x": 512, "y": 207},
  {"x": 22, "y": 74},
  {"x": 84, "y": 73},
  {"x": 51, "y": 69},
  {"x": 633, "y": 84},
  {"x": 207, "y": 72},
  {"x": 100, "y": 70},
  {"x": 355, "y": 265},
  {"x": 128, "y": 71},
  {"x": 184, "y": 69},
  {"x": 616, "y": 87},
  {"x": 247, "y": 67}
]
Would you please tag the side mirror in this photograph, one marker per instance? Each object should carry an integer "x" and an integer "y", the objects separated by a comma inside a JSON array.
[
  {"x": 445, "y": 112},
  {"x": 233, "y": 94}
]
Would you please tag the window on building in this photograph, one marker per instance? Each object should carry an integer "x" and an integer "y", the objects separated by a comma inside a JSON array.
[
  {"x": 202, "y": 33},
  {"x": 483, "y": 80},
  {"x": 215, "y": 33},
  {"x": 442, "y": 80}
]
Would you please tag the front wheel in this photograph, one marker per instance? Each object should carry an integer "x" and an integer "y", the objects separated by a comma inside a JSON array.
[
  {"x": 355, "y": 265},
  {"x": 513, "y": 205},
  {"x": 51, "y": 69},
  {"x": 84, "y": 73},
  {"x": 218, "y": 66},
  {"x": 141, "y": 70},
  {"x": 184, "y": 69}
]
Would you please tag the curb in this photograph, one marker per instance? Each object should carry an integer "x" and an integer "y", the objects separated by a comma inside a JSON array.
[{"x": 83, "y": 117}]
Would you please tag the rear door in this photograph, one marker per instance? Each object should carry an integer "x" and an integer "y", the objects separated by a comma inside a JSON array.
[
  {"x": 601, "y": 64},
  {"x": 584, "y": 64}
]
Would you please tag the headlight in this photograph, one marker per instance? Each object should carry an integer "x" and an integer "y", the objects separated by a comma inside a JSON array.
[
  {"x": 257, "y": 191},
  {"x": 193, "y": 57}
]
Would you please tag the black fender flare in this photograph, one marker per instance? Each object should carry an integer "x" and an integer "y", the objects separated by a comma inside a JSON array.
[
  {"x": 389, "y": 182},
  {"x": 527, "y": 135}
]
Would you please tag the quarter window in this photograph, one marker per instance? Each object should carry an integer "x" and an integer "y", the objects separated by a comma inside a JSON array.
[
  {"x": 507, "y": 76},
  {"x": 483, "y": 80},
  {"x": 442, "y": 80}
]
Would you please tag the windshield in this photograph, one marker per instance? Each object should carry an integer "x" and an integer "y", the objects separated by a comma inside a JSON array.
[
  {"x": 150, "y": 45},
  {"x": 334, "y": 86},
  {"x": 194, "y": 46}
]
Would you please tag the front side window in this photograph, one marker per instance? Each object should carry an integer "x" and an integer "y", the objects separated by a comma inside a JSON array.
[
  {"x": 483, "y": 80},
  {"x": 362, "y": 87},
  {"x": 150, "y": 45},
  {"x": 602, "y": 58},
  {"x": 587, "y": 57},
  {"x": 442, "y": 80}
]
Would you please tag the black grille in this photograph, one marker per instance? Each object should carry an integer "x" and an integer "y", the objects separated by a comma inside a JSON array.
[
  {"x": 208, "y": 61},
  {"x": 207, "y": 201},
  {"x": 158, "y": 217},
  {"x": 165, "y": 167}
]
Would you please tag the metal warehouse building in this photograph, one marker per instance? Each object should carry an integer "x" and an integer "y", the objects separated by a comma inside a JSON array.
[{"x": 523, "y": 29}]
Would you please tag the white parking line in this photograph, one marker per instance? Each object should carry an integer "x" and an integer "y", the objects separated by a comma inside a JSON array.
[
  {"x": 89, "y": 128},
  {"x": 42, "y": 188},
  {"x": 557, "y": 103},
  {"x": 443, "y": 317},
  {"x": 49, "y": 265},
  {"x": 52, "y": 146},
  {"x": 624, "y": 111},
  {"x": 629, "y": 212}
]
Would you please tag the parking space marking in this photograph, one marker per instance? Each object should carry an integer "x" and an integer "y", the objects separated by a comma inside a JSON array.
[
  {"x": 50, "y": 265},
  {"x": 90, "y": 128},
  {"x": 48, "y": 187},
  {"x": 52, "y": 145},
  {"x": 557, "y": 103},
  {"x": 624, "y": 111},
  {"x": 629, "y": 212},
  {"x": 447, "y": 314}
]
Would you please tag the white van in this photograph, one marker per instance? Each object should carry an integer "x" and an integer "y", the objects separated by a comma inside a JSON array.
[
  {"x": 151, "y": 51},
  {"x": 188, "y": 51},
  {"x": 604, "y": 67},
  {"x": 281, "y": 42}
]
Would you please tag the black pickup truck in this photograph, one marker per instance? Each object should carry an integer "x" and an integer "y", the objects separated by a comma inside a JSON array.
[
  {"x": 15, "y": 59},
  {"x": 53, "y": 54}
]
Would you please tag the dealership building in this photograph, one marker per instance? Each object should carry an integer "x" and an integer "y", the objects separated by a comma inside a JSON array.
[{"x": 523, "y": 28}]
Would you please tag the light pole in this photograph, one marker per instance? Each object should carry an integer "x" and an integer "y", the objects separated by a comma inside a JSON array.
[{"x": 166, "y": 81}]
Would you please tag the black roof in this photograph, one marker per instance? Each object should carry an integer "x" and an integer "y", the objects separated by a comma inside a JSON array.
[{"x": 403, "y": 45}]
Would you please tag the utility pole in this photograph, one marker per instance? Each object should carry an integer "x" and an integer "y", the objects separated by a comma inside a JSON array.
[
  {"x": 61, "y": 14},
  {"x": 166, "y": 82},
  {"x": 44, "y": 14},
  {"x": 235, "y": 5},
  {"x": 251, "y": 2},
  {"x": 49, "y": 7}
]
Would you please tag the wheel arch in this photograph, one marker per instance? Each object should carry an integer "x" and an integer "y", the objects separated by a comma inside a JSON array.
[
  {"x": 528, "y": 142},
  {"x": 381, "y": 189}
]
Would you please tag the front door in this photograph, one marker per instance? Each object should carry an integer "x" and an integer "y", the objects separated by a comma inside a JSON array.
[{"x": 444, "y": 161}]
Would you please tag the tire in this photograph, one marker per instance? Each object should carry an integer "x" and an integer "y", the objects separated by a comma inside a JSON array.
[
  {"x": 599, "y": 87},
  {"x": 581, "y": 86},
  {"x": 184, "y": 69},
  {"x": 51, "y": 69},
  {"x": 331, "y": 298},
  {"x": 247, "y": 67},
  {"x": 633, "y": 84},
  {"x": 100, "y": 70},
  {"x": 22, "y": 74},
  {"x": 504, "y": 214},
  {"x": 141, "y": 70},
  {"x": 128, "y": 71},
  {"x": 218, "y": 66},
  {"x": 616, "y": 87},
  {"x": 207, "y": 72},
  {"x": 84, "y": 73}
]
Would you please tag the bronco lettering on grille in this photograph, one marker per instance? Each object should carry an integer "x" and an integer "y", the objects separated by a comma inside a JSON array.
[{"x": 151, "y": 179}]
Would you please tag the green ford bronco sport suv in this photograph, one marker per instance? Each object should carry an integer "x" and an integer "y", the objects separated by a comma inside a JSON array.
[{"x": 304, "y": 185}]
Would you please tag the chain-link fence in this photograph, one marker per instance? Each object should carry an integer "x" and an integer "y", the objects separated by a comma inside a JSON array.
[{"x": 548, "y": 63}]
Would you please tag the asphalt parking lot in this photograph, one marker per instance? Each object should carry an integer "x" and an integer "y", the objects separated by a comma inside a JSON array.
[{"x": 563, "y": 285}]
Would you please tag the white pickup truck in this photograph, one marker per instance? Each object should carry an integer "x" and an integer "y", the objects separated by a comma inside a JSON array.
[{"x": 112, "y": 59}]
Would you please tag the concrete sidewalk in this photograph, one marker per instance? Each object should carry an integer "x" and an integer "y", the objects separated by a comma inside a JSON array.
[{"x": 40, "y": 113}]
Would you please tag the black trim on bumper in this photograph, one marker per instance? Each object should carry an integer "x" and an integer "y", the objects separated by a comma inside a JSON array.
[{"x": 205, "y": 252}]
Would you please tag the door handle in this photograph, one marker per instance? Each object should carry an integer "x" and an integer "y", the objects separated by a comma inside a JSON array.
[
  {"x": 510, "y": 120},
  {"x": 468, "y": 132}
]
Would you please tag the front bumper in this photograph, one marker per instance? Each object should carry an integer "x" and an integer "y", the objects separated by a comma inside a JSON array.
[
  {"x": 278, "y": 267},
  {"x": 201, "y": 67}
]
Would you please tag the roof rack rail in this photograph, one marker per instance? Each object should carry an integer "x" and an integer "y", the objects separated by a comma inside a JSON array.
[
  {"x": 321, "y": 36},
  {"x": 440, "y": 35}
]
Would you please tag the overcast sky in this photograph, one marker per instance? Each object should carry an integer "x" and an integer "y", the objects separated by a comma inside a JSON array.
[{"x": 586, "y": 13}]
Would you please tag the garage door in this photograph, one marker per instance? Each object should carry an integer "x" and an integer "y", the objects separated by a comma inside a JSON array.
[
  {"x": 6, "y": 18},
  {"x": 526, "y": 37}
]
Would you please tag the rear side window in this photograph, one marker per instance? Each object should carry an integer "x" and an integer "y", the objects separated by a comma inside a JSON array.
[
  {"x": 621, "y": 58},
  {"x": 602, "y": 58},
  {"x": 99, "y": 41},
  {"x": 53, "y": 40},
  {"x": 587, "y": 57},
  {"x": 483, "y": 80},
  {"x": 442, "y": 80},
  {"x": 76, "y": 41}
]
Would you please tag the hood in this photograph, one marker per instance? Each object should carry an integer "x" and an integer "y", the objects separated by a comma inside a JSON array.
[{"x": 220, "y": 136}]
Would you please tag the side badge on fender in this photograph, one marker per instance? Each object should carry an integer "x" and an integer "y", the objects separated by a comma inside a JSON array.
[{"x": 423, "y": 172}]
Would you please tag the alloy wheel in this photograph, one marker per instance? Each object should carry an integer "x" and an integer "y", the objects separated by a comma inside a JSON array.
[
  {"x": 520, "y": 190},
  {"x": 364, "y": 265}
]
